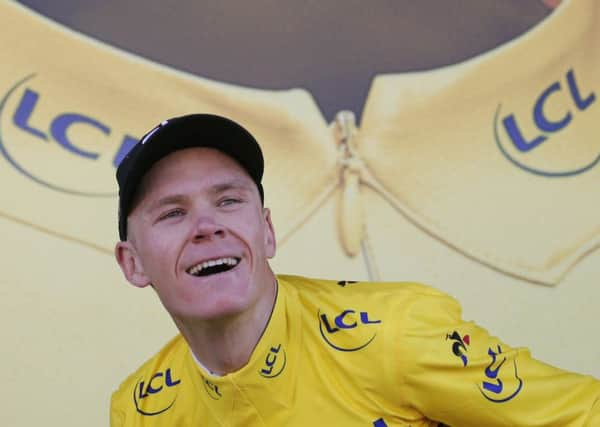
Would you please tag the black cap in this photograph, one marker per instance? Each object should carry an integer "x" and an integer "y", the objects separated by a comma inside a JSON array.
[{"x": 194, "y": 130}]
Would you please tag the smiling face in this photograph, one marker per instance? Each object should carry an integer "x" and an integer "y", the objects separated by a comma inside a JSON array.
[{"x": 199, "y": 234}]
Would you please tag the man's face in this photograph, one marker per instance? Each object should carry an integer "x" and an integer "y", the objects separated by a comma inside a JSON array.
[{"x": 200, "y": 236}]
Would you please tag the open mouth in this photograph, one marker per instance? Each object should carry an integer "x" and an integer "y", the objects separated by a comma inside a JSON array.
[{"x": 213, "y": 266}]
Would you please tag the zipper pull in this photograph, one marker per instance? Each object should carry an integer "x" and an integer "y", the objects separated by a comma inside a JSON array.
[{"x": 350, "y": 210}]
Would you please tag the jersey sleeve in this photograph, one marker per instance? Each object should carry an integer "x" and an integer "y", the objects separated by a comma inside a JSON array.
[
  {"x": 455, "y": 372},
  {"x": 117, "y": 416}
]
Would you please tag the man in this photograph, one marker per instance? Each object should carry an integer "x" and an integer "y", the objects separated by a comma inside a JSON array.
[{"x": 262, "y": 350}]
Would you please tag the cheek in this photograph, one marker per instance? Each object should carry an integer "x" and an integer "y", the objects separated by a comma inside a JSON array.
[
  {"x": 263, "y": 242},
  {"x": 156, "y": 256}
]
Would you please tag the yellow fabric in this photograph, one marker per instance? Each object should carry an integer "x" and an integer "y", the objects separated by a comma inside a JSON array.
[
  {"x": 439, "y": 151},
  {"x": 434, "y": 145},
  {"x": 53, "y": 70},
  {"x": 360, "y": 354}
]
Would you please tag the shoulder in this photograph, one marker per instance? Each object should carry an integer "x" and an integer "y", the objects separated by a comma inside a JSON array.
[
  {"x": 161, "y": 372},
  {"x": 392, "y": 308},
  {"x": 391, "y": 295}
]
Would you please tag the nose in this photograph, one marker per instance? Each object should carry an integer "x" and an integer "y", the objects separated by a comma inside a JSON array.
[{"x": 207, "y": 229}]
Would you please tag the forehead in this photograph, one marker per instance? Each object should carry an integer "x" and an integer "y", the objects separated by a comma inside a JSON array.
[{"x": 198, "y": 166}]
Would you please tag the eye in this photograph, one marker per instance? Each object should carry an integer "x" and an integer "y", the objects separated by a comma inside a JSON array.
[
  {"x": 228, "y": 201},
  {"x": 171, "y": 214}
]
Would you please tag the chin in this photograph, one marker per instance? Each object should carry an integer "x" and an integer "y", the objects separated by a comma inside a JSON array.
[{"x": 220, "y": 308}]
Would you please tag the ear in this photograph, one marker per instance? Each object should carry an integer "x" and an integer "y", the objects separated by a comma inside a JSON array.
[
  {"x": 131, "y": 265},
  {"x": 270, "y": 242}
]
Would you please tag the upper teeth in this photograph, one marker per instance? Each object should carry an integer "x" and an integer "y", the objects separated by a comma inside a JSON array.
[{"x": 220, "y": 261}]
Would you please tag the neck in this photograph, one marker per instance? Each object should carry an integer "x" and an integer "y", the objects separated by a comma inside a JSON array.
[{"x": 225, "y": 345}]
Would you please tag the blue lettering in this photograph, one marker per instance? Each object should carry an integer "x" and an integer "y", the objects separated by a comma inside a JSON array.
[
  {"x": 341, "y": 323},
  {"x": 327, "y": 325},
  {"x": 493, "y": 373},
  {"x": 62, "y": 123},
  {"x": 141, "y": 391},
  {"x": 494, "y": 388},
  {"x": 379, "y": 423},
  {"x": 213, "y": 387},
  {"x": 126, "y": 146},
  {"x": 513, "y": 131},
  {"x": 266, "y": 371},
  {"x": 269, "y": 361},
  {"x": 150, "y": 389},
  {"x": 540, "y": 118},
  {"x": 364, "y": 318},
  {"x": 581, "y": 103},
  {"x": 339, "y": 320},
  {"x": 168, "y": 381},
  {"x": 23, "y": 114}
]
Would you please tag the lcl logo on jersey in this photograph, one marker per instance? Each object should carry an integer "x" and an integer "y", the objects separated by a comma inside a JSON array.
[
  {"x": 558, "y": 107},
  {"x": 349, "y": 330},
  {"x": 502, "y": 382},
  {"x": 275, "y": 362},
  {"x": 156, "y": 394},
  {"x": 35, "y": 129},
  {"x": 212, "y": 389}
]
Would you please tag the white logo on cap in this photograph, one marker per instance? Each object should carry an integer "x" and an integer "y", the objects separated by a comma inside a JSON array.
[{"x": 149, "y": 134}]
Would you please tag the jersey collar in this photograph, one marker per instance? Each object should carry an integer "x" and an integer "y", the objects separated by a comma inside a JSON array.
[{"x": 267, "y": 382}]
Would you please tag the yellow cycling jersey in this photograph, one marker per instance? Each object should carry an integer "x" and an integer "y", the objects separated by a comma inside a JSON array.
[{"x": 365, "y": 355}]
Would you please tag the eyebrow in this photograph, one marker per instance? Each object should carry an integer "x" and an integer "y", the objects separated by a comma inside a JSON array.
[
  {"x": 232, "y": 184},
  {"x": 171, "y": 199}
]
